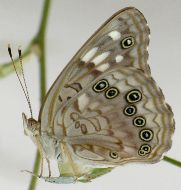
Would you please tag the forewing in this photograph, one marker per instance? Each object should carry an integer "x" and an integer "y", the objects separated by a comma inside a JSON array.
[
  {"x": 121, "y": 40},
  {"x": 121, "y": 116}
]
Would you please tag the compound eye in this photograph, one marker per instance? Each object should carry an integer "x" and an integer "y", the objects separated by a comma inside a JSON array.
[
  {"x": 112, "y": 93},
  {"x": 101, "y": 85},
  {"x": 133, "y": 96},
  {"x": 127, "y": 42}
]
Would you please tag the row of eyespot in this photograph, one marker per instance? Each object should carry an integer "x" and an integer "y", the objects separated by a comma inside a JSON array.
[
  {"x": 103, "y": 85},
  {"x": 139, "y": 121},
  {"x": 132, "y": 96},
  {"x": 146, "y": 134},
  {"x": 144, "y": 150}
]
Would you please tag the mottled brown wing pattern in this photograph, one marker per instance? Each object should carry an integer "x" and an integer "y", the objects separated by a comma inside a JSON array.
[
  {"x": 104, "y": 109},
  {"x": 121, "y": 116},
  {"x": 122, "y": 40}
]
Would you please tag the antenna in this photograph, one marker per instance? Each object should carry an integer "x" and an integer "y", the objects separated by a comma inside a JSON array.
[{"x": 24, "y": 88}]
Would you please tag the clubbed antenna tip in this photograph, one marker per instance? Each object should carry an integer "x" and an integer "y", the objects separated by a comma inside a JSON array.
[
  {"x": 9, "y": 51},
  {"x": 19, "y": 51}
]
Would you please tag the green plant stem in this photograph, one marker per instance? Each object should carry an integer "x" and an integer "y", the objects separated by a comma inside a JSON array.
[
  {"x": 39, "y": 41},
  {"x": 172, "y": 161},
  {"x": 33, "y": 182}
]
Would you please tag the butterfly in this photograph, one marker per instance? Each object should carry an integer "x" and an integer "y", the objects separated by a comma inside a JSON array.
[{"x": 104, "y": 109}]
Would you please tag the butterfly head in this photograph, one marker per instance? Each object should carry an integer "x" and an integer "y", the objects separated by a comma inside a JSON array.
[{"x": 31, "y": 126}]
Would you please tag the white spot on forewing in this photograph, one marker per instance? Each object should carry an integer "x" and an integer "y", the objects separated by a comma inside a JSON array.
[
  {"x": 100, "y": 58},
  {"x": 119, "y": 58},
  {"x": 83, "y": 100},
  {"x": 89, "y": 54},
  {"x": 115, "y": 35},
  {"x": 103, "y": 67}
]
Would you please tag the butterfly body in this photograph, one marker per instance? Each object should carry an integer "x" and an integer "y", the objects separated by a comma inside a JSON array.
[
  {"x": 54, "y": 148},
  {"x": 104, "y": 109}
]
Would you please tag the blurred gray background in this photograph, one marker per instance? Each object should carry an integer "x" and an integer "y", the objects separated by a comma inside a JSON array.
[{"x": 71, "y": 23}]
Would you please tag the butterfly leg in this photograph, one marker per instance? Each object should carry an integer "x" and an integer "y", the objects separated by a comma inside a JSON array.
[
  {"x": 41, "y": 155},
  {"x": 41, "y": 169},
  {"x": 49, "y": 170}
]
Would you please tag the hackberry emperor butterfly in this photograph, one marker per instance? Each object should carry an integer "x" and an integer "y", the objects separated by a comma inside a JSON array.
[{"x": 104, "y": 109}]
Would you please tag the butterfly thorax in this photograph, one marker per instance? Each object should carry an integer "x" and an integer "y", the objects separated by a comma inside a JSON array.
[{"x": 46, "y": 144}]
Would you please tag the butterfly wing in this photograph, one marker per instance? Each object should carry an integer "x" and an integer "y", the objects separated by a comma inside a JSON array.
[
  {"x": 122, "y": 40},
  {"x": 119, "y": 117}
]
